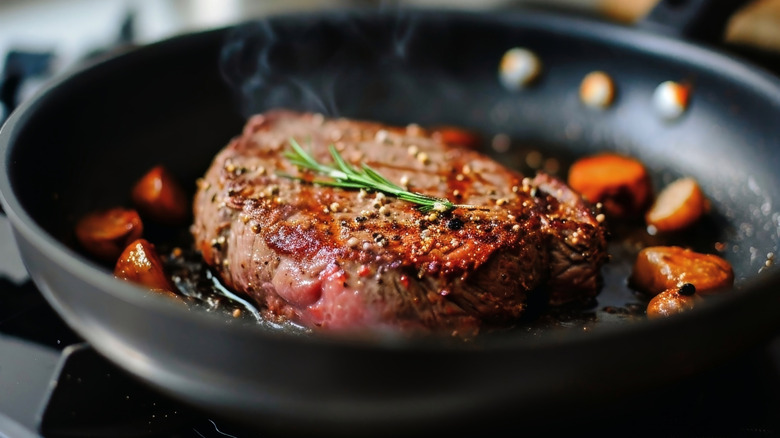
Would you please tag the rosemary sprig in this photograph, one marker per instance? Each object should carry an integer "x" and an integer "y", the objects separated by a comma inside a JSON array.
[{"x": 346, "y": 176}]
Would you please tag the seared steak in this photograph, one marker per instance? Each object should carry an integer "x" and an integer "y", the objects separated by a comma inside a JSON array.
[{"x": 354, "y": 260}]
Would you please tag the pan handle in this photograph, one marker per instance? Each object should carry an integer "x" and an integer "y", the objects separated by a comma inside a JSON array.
[{"x": 701, "y": 20}]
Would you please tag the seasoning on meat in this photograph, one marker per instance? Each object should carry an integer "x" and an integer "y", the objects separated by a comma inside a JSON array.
[
  {"x": 349, "y": 259},
  {"x": 347, "y": 176}
]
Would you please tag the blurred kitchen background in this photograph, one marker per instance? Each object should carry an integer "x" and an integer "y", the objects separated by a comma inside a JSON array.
[{"x": 39, "y": 37}]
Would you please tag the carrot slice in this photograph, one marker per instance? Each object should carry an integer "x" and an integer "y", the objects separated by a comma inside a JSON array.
[
  {"x": 141, "y": 264},
  {"x": 658, "y": 268},
  {"x": 673, "y": 301},
  {"x": 678, "y": 206},
  {"x": 621, "y": 184},
  {"x": 105, "y": 233},
  {"x": 158, "y": 196}
]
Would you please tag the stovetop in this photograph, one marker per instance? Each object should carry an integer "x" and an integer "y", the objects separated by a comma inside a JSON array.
[{"x": 53, "y": 384}]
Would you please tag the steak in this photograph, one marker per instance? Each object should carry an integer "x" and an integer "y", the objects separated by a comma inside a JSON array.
[{"x": 353, "y": 260}]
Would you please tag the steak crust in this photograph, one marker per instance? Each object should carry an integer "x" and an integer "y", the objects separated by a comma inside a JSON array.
[{"x": 350, "y": 260}]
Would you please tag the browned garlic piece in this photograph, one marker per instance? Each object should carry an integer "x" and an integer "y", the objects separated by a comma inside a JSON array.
[
  {"x": 670, "y": 99},
  {"x": 518, "y": 68},
  {"x": 597, "y": 90}
]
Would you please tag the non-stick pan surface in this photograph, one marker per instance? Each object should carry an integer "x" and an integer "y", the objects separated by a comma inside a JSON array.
[{"x": 82, "y": 143}]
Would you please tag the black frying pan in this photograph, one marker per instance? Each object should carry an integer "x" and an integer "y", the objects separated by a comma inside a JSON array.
[{"x": 82, "y": 142}]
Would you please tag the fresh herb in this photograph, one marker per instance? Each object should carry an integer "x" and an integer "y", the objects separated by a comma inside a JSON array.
[{"x": 346, "y": 176}]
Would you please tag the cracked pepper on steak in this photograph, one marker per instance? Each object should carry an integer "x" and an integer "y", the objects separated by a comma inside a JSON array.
[{"x": 342, "y": 259}]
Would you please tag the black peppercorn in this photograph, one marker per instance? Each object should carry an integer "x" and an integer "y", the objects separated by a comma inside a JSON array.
[{"x": 687, "y": 289}]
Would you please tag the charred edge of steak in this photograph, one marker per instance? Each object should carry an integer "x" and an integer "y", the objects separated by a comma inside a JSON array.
[{"x": 577, "y": 244}]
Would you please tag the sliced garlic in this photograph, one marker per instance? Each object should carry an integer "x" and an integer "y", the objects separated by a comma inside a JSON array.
[
  {"x": 670, "y": 99},
  {"x": 518, "y": 68},
  {"x": 597, "y": 90}
]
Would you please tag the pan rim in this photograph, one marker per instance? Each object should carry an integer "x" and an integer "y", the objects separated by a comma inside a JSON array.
[{"x": 571, "y": 26}]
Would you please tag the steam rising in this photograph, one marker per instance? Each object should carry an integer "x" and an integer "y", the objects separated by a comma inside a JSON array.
[
  {"x": 402, "y": 32},
  {"x": 314, "y": 64},
  {"x": 393, "y": 65}
]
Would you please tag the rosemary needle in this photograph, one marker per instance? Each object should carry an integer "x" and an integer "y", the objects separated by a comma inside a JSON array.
[{"x": 346, "y": 176}]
